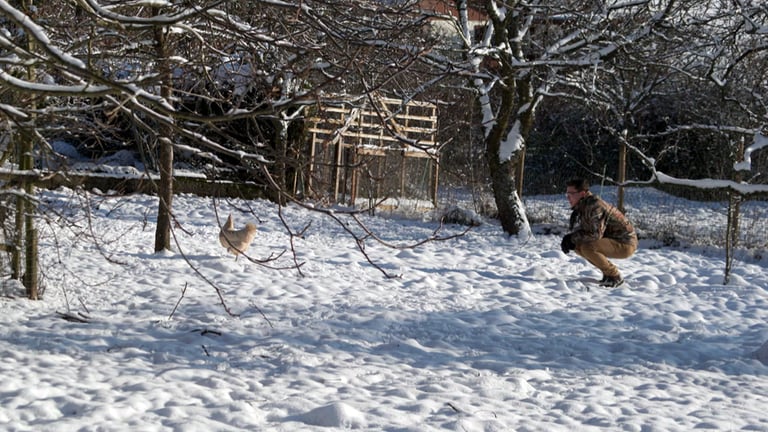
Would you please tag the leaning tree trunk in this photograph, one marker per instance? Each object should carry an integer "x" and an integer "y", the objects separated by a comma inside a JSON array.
[
  {"x": 502, "y": 174},
  {"x": 507, "y": 115},
  {"x": 505, "y": 194},
  {"x": 511, "y": 128},
  {"x": 165, "y": 144}
]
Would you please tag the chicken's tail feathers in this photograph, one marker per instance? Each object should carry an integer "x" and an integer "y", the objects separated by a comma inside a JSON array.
[{"x": 229, "y": 224}]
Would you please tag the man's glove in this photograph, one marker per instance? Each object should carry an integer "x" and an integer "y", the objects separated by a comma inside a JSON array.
[{"x": 567, "y": 244}]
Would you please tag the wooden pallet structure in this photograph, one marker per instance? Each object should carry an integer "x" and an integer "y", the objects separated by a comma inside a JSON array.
[{"x": 382, "y": 151}]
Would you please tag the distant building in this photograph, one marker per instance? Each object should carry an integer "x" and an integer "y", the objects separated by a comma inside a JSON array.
[{"x": 446, "y": 25}]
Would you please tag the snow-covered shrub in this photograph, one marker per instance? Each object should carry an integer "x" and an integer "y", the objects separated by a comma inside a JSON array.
[{"x": 460, "y": 216}]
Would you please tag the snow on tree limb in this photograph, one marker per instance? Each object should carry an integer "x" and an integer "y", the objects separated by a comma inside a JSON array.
[
  {"x": 85, "y": 89},
  {"x": 742, "y": 188},
  {"x": 761, "y": 142},
  {"x": 709, "y": 184}
]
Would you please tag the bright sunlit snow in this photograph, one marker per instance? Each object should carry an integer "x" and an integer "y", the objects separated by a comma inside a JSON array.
[{"x": 480, "y": 333}]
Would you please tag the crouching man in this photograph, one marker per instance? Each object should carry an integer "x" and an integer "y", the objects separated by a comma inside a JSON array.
[{"x": 598, "y": 231}]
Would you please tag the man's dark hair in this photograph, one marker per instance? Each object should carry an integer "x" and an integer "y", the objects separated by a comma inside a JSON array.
[{"x": 578, "y": 183}]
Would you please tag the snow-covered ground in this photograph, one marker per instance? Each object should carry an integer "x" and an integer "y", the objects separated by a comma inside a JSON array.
[{"x": 479, "y": 333}]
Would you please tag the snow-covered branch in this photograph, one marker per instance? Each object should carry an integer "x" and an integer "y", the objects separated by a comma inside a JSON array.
[
  {"x": 712, "y": 184},
  {"x": 760, "y": 142}
]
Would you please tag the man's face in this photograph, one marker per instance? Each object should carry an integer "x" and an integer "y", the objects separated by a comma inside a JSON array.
[{"x": 573, "y": 195}]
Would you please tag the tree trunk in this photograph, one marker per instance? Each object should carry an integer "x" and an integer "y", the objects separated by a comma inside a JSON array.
[
  {"x": 18, "y": 236},
  {"x": 31, "y": 261},
  {"x": 27, "y": 207},
  {"x": 165, "y": 144},
  {"x": 25, "y": 245},
  {"x": 165, "y": 196},
  {"x": 505, "y": 170},
  {"x": 504, "y": 193},
  {"x": 511, "y": 124},
  {"x": 281, "y": 158}
]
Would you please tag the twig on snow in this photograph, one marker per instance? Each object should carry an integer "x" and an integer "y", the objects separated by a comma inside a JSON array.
[{"x": 178, "y": 302}]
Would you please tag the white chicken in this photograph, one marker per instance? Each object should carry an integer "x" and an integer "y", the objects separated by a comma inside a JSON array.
[{"x": 236, "y": 241}]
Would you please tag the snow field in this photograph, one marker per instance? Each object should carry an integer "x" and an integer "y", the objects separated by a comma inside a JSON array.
[{"x": 480, "y": 333}]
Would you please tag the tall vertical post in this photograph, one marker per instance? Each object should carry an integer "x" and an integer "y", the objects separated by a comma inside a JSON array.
[
  {"x": 622, "y": 174},
  {"x": 732, "y": 229}
]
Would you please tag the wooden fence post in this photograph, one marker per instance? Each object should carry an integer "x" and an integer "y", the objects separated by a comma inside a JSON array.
[
  {"x": 622, "y": 174},
  {"x": 732, "y": 228}
]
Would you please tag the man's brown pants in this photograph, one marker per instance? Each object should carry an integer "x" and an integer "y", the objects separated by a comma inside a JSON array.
[{"x": 598, "y": 252}]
